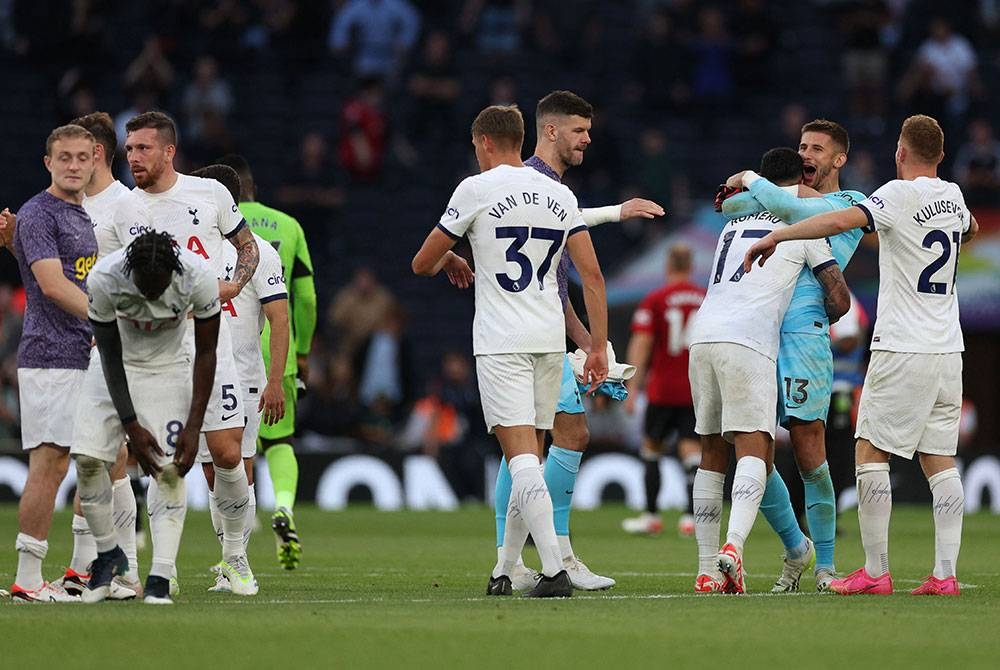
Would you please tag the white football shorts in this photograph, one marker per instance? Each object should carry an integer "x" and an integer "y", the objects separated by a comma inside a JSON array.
[
  {"x": 48, "y": 399},
  {"x": 733, "y": 389},
  {"x": 520, "y": 389},
  {"x": 912, "y": 403}
]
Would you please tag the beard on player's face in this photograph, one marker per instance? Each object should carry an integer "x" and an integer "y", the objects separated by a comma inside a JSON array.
[{"x": 147, "y": 174}]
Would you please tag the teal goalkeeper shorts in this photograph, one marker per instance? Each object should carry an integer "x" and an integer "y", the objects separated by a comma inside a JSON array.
[
  {"x": 570, "y": 401},
  {"x": 805, "y": 377}
]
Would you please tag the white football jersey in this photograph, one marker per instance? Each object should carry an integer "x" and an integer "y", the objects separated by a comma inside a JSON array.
[
  {"x": 152, "y": 331},
  {"x": 199, "y": 213},
  {"x": 747, "y": 308},
  {"x": 920, "y": 224},
  {"x": 518, "y": 221},
  {"x": 116, "y": 208},
  {"x": 246, "y": 315}
]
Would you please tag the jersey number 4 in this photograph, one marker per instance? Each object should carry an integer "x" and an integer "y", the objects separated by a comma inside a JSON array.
[
  {"x": 924, "y": 283},
  {"x": 727, "y": 241},
  {"x": 520, "y": 236}
]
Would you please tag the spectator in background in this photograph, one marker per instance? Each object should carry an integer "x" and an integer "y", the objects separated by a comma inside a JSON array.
[
  {"x": 942, "y": 78},
  {"x": 331, "y": 407},
  {"x": 375, "y": 34},
  {"x": 222, "y": 25},
  {"x": 865, "y": 59},
  {"x": 310, "y": 191},
  {"x": 384, "y": 372},
  {"x": 656, "y": 172},
  {"x": 444, "y": 424},
  {"x": 363, "y": 132},
  {"x": 861, "y": 173},
  {"x": 496, "y": 27},
  {"x": 213, "y": 140},
  {"x": 660, "y": 66},
  {"x": 712, "y": 52},
  {"x": 977, "y": 166},
  {"x": 434, "y": 87},
  {"x": 357, "y": 311},
  {"x": 790, "y": 121},
  {"x": 208, "y": 94},
  {"x": 150, "y": 72},
  {"x": 756, "y": 36}
]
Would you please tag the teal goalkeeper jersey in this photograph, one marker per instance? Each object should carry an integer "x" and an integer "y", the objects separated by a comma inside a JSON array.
[{"x": 805, "y": 313}]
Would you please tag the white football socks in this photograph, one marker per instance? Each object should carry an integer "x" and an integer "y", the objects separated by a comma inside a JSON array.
[
  {"x": 874, "y": 510},
  {"x": 232, "y": 495},
  {"x": 949, "y": 510},
  {"x": 124, "y": 510},
  {"x": 167, "y": 508},
  {"x": 30, "y": 554},
  {"x": 748, "y": 489},
  {"x": 251, "y": 516},
  {"x": 530, "y": 497},
  {"x": 94, "y": 486},
  {"x": 84, "y": 548},
  {"x": 707, "y": 498}
]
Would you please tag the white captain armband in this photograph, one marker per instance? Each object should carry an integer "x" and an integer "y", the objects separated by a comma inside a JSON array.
[{"x": 595, "y": 216}]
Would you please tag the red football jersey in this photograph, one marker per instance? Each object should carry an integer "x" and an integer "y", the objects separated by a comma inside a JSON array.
[{"x": 665, "y": 314}]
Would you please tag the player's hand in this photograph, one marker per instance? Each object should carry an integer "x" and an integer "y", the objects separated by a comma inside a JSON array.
[
  {"x": 228, "y": 290},
  {"x": 736, "y": 181},
  {"x": 458, "y": 271},
  {"x": 144, "y": 447},
  {"x": 595, "y": 369},
  {"x": 641, "y": 208},
  {"x": 272, "y": 403},
  {"x": 762, "y": 249},
  {"x": 186, "y": 450},
  {"x": 723, "y": 193},
  {"x": 8, "y": 224}
]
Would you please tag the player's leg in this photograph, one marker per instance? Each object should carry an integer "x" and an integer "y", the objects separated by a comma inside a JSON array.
[
  {"x": 937, "y": 458},
  {"x": 47, "y": 466},
  {"x": 709, "y": 482},
  {"x": 98, "y": 434},
  {"x": 689, "y": 454},
  {"x": 277, "y": 442},
  {"x": 805, "y": 377},
  {"x": 77, "y": 574},
  {"x": 892, "y": 416},
  {"x": 48, "y": 402},
  {"x": 749, "y": 399},
  {"x": 706, "y": 393},
  {"x": 123, "y": 505},
  {"x": 562, "y": 464},
  {"x": 650, "y": 452},
  {"x": 520, "y": 393}
]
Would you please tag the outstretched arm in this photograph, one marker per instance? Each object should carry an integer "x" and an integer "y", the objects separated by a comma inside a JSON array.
[
  {"x": 630, "y": 209},
  {"x": 813, "y": 228},
  {"x": 575, "y": 329}
]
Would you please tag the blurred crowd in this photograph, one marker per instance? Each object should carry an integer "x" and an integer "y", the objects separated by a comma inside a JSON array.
[{"x": 349, "y": 99}]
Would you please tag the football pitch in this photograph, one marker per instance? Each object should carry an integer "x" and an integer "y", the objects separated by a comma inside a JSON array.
[{"x": 407, "y": 590}]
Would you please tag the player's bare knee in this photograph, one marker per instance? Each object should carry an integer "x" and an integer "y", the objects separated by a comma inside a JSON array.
[
  {"x": 866, "y": 452},
  {"x": 248, "y": 466},
  {"x": 208, "y": 469},
  {"x": 570, "y": 431},
  {"x": 88, "y": 468}
]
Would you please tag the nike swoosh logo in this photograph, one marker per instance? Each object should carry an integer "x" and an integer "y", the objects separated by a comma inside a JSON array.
[
  {"x": 227, "y": 418},
  {"x": 813, "y": 505},
  {"x": 569, "y": 493},
  {"x": 787, "y": 406}
]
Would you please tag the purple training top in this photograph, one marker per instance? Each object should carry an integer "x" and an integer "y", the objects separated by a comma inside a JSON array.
[
  {"x": 48, "y": 227},
  {"x": 562, "y": 270}
]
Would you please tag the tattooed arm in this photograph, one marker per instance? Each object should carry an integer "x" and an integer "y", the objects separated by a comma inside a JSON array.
[
  {"x": 837, "y": 299},
  {"x": 247, "y": 257}
]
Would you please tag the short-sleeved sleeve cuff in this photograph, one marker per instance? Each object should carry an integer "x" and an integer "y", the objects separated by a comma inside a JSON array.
[{"x": 870, "y": 228}]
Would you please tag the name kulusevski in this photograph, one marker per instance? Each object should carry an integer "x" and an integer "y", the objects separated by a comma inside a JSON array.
[{"x": 937, "y": 208}]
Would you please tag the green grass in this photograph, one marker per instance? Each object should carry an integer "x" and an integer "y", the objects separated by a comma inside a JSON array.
[{"x": 406, "y": 590}]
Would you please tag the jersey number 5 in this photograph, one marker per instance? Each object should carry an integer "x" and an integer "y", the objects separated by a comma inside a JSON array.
[{"x": 520, "y": 236}]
